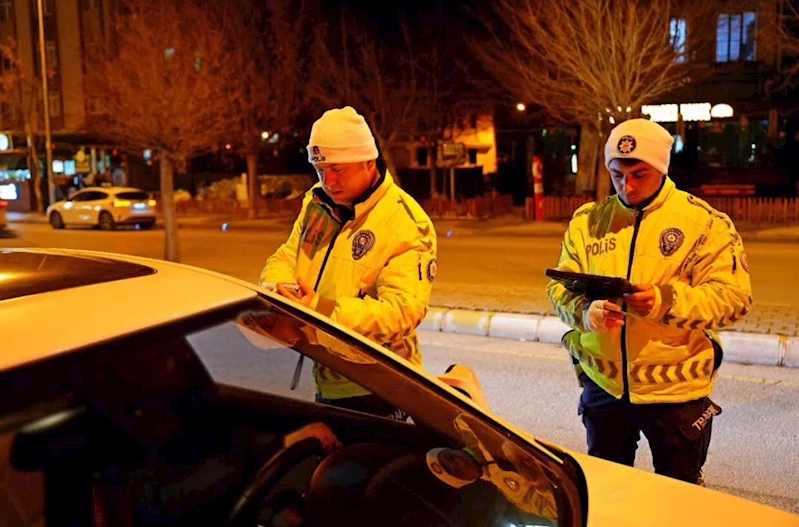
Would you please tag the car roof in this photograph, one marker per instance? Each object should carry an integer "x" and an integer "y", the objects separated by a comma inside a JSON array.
[{"x": 97, "y": 302}]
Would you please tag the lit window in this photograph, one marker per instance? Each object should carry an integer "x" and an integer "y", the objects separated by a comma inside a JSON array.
[
  {"x": 678, "y": 33},
  {"x": 736, "y": 37}
]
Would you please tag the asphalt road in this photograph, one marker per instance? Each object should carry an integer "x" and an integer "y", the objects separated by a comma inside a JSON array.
[{"x": 476, "y": 271}]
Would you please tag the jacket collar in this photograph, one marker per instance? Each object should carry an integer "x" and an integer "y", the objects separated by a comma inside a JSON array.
[
  {"x": 657, "y": 199},
  {"x": 361, "y": 206}
]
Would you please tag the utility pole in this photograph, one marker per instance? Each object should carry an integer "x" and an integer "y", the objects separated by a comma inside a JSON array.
[{"x": 46, "y": 96}]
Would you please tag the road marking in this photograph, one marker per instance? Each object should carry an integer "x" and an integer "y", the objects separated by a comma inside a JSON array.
[{"x": 514, "y": 353}]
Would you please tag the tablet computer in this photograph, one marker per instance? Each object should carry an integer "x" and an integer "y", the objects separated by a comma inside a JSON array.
[{"x": 593, "y": 287}]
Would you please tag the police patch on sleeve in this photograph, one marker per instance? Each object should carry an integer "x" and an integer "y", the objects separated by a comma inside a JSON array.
[
  {"x": 362, "y": 244},
  {"x": 670, "y": 241},
  {"x": 432, "y": 270},
  {"x": 626, "y": 145}
]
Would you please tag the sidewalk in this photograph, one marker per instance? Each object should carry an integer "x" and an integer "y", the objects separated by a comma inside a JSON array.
[
  {"x": 511, "y": 225},
  {"x": 739, "y": 347}
]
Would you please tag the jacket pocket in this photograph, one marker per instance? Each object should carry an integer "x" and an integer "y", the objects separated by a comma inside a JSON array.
[{"x": 718, "y": 352}]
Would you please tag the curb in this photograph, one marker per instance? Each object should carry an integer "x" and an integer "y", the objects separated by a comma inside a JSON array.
[{"x": 739, "y": 348}]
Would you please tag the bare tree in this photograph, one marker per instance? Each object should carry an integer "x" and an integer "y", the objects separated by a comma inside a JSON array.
[
  {"x": 595, "y": 62},
  {"x": 781, "y": 29},
  {"x": 162, "y": 86},
  {"x": 21, "y": 90},
  {"x": 266, "y": 92},
  {"x": 452, "y": 87},
  {"x": 378, "y": 78}
]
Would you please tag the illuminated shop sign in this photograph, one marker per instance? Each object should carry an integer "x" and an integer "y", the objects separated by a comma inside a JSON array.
[
  {"x": 670, "y": 113},
  {"x": 8, "y": 192}
]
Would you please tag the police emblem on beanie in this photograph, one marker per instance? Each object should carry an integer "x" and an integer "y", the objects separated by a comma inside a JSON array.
[
  {"x": 670, "y": 241},
  {"x": 316, "y": 157},
  {"x": 362, "y": 244},
  {"x": 626, "y": 145}
]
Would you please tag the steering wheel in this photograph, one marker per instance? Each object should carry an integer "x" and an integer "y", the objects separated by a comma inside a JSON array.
[{"x": 245, "y": 511}]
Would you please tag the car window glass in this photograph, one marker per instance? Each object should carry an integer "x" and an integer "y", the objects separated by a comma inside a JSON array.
[
  {"x": 81, "y": 196},
  {"x": 133, "y": 195}
]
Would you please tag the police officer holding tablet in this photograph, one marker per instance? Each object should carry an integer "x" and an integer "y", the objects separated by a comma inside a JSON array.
[{"x": 648, "y": 360}]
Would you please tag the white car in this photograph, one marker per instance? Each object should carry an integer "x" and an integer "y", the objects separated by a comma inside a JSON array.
[
  {"x": 104, "y": 207},
  {"x": 183, "y": 402}
]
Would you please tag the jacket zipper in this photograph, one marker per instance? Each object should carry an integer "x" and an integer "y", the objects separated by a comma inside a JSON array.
[
  {"x": 327, "y": 255},
  {"x": 298, "y": 370},
  {"x": 626, "y": 395}
]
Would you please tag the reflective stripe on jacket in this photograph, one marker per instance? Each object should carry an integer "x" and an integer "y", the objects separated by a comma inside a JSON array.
[{"x": 693, "y": 256}]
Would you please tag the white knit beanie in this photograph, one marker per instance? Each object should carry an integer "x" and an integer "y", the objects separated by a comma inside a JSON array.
[
  {"x": 341, "y": 136},
  {"x": 640, "y": 139}
]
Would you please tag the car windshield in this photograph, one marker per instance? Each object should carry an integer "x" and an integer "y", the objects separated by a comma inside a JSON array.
[{"x": 258, "y": 348}]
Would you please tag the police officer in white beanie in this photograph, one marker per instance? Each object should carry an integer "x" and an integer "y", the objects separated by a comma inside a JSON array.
[
  {"x": 362, "y": 252},
  {"x": 648, "y": 361}
]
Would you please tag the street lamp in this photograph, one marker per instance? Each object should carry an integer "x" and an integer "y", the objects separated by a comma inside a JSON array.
[
  {"x": 521, "y": 107},
  {"x": 48, "y": 142}
]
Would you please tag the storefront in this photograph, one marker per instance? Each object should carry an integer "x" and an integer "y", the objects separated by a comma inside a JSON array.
[
  {"x": 721, "y": 143},
  {"x": 15, "y": 177}
]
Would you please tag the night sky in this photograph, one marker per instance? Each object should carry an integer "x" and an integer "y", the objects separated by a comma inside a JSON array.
[{"x": 386, "y": 13}]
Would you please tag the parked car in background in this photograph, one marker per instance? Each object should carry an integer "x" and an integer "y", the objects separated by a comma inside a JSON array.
[{"x": 104, "y": 207}]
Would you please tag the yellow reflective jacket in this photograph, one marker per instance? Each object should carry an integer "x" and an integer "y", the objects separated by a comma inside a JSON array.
[
  {"x": 693, "y": 256},
  {"x": 372, "y": 269}
]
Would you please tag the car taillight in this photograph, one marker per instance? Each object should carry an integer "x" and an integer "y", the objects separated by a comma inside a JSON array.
[
  {"x": 151, "y": 203},
  {"x": 3, "y": 204},
  {"x": 121, "y": 203}
]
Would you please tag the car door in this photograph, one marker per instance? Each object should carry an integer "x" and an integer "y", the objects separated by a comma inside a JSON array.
[
  {"x": 87, "y": 211},
  {"x": 70, "y": 207}
]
